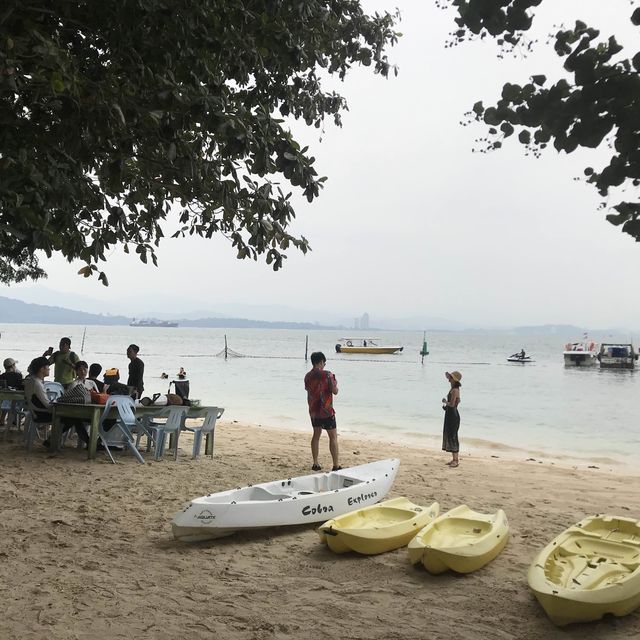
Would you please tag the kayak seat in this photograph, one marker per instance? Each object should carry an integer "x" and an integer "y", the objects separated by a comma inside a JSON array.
[{"x": 259, "y": 493}]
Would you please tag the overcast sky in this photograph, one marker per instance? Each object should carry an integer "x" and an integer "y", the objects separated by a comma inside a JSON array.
[{"x": 411, "y": 222}]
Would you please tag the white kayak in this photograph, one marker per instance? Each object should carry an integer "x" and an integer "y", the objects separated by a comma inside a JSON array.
[{"x": 313, "y": 498}]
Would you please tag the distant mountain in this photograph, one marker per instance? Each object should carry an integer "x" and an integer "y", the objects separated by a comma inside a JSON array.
[
  {"x": 21, "y": 312},
  {"x": 17, "y": 311}
]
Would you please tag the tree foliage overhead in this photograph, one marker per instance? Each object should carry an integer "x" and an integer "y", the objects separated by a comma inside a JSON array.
[
  {"x": 119, "y": 119},
  {"x": 598, "y": 104}
]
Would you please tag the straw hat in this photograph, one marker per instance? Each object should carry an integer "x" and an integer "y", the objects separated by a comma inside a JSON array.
[
  {"x": 9, "y": 362},
  {"x": 455, "y": 375}
]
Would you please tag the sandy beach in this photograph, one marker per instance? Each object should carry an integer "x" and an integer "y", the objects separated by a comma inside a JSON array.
[{"x": 87, "y": 550}]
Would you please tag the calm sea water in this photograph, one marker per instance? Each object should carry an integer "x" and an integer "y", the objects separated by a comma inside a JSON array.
[{"x": 540, "y": 409}]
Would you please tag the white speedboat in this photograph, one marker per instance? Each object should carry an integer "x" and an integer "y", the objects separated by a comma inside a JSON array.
[
  {"x": 313, "y": 498},
  {"x": 580, "y": 354}
]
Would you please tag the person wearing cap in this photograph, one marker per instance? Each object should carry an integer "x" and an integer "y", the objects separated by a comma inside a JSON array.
[
  {"x": 11, "y": 376},
  {"x": 11, "y": 379},
  {"x": 136, "y": 370},
  {"x": 64, "y": 361},
  {"x": 452, "y": 418}
]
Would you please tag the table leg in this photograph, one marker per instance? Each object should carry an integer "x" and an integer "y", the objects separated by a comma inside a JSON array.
[
  {"x": 56, "y": 434},
  {"x": 93, "y": 435}
]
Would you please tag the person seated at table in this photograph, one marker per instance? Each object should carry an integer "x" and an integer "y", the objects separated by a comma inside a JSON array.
[
  {"x": 111, "y": 376},
  {"x": 82, "y": 371},
  {"x": 78, "y": 392},
  {"x": 94, "y": 371},
  {"x": 10, "y": 379},
  {"x": 34, "y": 392}
]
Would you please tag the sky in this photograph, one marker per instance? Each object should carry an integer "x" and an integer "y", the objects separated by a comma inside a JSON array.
[{"x": 411, "y": 222}]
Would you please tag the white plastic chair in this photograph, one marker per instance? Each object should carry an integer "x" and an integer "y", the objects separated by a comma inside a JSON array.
[
  {"x": 208, "y": 426},
  {"x": 31, "y": 429},
  {"x": 53, "y": 390},
  {"x": 176, "y": 415},
  {"x": 121, "y": 433}
]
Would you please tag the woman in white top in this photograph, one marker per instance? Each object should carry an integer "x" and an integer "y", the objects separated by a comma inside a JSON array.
[{"x": 82, "y": 371}]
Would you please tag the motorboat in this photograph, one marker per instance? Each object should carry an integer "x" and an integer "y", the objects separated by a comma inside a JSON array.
[
  {"x": 378, "y": 528},
  {"x": 591, "y": 569},
  {"x": 462, "y": 540},
  {"x": 300, "y": 500},
  {"x": 518, "y": 357},
  {"x": 617, "y": 356},
  {"x": 580, "y": 354},
  {"x": 365, "y": 345}
]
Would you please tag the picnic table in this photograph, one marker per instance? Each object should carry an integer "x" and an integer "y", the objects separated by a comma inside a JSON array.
[{"x": 91, "y": 413}]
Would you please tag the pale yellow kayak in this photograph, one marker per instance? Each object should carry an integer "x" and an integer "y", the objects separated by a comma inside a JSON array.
[
  {"x": 589, "y": 570},
  {"x": 461, "y": 540},
  {"x": 381, "y": 527}
]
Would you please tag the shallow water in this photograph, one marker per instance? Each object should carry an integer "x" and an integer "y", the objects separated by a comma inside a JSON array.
[{"x": 513, "y": 410}]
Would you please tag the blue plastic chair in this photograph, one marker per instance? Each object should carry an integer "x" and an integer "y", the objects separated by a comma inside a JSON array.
[
  {"x": 208, "y": 426},
  {"x": 121, "y": 433}
]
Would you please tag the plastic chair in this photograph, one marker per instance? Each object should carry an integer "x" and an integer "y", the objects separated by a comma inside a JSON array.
[
  {"x": 208, "y": 426},
  {"x": 176, "y": 415},
  {"x": 121, "y": 433},
  {"x": 31, "y": 429},
  {"x": 53, "y": 390},
  {"x": 15, "y": 414}
]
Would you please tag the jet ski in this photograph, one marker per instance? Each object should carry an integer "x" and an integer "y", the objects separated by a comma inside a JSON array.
[{"x": 516, "y": 357}]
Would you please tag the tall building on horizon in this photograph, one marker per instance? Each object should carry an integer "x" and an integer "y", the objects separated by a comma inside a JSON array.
[{"x": 364, "y": 321}]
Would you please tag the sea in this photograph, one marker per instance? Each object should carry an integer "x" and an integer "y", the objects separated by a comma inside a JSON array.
[{"x": 541, "y": 410}]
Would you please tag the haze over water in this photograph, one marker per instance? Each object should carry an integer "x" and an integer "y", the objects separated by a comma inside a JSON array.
[{"x": 542, "y": 409}]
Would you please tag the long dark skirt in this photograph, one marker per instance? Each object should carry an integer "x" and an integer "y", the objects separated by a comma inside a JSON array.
[{"x": 450, "y": 431}]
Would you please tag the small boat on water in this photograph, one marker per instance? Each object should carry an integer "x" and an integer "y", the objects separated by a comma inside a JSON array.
[
  {"x": 364, "y": 345},
  {"x": 580, "y": 354},
  {"x": 376, "y": 529},
  {"x": 516, "y": 357},
  {"x": 312, "y": 498},
  {"x": 589, "y": 570},
  {"x": 462, "y": 540},
  {"x": 617, "y": 356}
]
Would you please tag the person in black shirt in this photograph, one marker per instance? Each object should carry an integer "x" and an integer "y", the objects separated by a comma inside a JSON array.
[
  {"x": 136, "y": 370},
  {"x": 94, "y": 371}
]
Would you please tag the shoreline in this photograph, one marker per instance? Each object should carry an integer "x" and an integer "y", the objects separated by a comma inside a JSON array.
[{"x": 473, "y": 447}]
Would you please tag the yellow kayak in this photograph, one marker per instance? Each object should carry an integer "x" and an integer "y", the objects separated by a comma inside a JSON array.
[
  {"x": 591, "y": 569},
  {"x": 461, "y": 539},
  {"x": 381, "y": 527}
]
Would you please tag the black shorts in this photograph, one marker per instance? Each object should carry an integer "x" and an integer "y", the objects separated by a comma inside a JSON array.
[{"x": 324, "y": 423}]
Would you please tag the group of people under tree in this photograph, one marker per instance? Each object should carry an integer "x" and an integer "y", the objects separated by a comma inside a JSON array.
[{"x": 77, "y": 379}]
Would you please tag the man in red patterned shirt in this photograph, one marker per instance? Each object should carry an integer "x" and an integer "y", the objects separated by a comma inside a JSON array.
[{"x": 321, "y": 386}]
